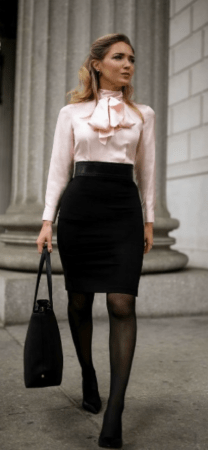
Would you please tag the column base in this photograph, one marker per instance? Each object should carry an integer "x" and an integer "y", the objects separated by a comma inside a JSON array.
[
  {"x": 26, "y": 258},
  {"x": 19, "y": 250},
  {"x": 164, "y": 260}
]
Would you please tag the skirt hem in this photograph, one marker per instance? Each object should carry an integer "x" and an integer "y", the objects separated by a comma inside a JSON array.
[{"x": 104, "y": 290}]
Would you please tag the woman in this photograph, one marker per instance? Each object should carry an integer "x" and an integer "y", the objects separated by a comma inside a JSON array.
[{"x": 100, "y": 137}]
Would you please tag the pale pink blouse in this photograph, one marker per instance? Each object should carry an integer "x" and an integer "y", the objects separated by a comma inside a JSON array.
[{"x": 111, "y": 132}]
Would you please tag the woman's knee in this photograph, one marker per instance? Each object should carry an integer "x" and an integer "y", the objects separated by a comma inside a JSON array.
[
  {"x": 80, "y": 301},
  {"x": 121, "y": 305}
]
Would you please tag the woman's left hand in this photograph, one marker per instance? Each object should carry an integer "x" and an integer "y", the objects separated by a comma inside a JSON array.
[{"x": 148, "y": 236}]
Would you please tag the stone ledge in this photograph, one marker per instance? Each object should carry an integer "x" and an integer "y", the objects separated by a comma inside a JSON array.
[{"x": 165, "y": 294}]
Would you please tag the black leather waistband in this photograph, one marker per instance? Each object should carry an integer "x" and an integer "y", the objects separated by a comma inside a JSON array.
[{"x": 108, "y": 169}]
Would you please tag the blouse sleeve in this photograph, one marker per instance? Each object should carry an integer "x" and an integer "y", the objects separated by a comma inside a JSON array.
[
  {"x": 61, "y": 164},
  {"x": 145, "y": 165}
]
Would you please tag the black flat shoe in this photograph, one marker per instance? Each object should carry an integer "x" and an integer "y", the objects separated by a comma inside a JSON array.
[
  {"x": 91, "y": 398},
  {"x": 109, "y": 442}
]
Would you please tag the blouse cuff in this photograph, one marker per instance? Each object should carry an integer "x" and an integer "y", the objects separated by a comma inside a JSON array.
[
  {"x": 49, "y": 214},
  {"x": 149, "y": 217}
]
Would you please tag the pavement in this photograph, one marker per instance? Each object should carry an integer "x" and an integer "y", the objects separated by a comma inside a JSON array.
[{"x": 166, "y": 406}]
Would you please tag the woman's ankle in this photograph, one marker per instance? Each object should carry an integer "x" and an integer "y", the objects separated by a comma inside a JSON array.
[
  {"x": 115, "y": 405},
  {"x": 88, "y": 372}
]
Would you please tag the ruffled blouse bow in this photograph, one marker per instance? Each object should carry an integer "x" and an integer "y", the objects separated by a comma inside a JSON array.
[{"x": 110, "y": 114}]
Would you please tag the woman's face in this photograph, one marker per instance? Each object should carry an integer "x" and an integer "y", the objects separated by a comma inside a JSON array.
[{"x": 118, "y": 60}]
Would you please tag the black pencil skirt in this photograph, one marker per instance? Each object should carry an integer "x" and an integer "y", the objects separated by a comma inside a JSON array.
[{"x": 100, "y": 232}]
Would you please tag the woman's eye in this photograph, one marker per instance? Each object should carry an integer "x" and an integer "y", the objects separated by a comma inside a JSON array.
[{"x": 120, "y": 56}]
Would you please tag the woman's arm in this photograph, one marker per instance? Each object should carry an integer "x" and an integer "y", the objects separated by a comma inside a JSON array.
[
  {"x": 148, "y": 236},
  {"x": 145, "y": 174},
  {"x": 61, "y": 164},
  {"x": 60, "y": 172}
]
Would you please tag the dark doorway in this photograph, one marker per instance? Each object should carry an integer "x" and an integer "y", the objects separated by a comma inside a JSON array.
[{"x": 8, "y": 36}]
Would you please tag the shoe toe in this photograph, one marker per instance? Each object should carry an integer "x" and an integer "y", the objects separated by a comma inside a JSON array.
[
  {"x": 109, "y": 442},
  {"x": 91, "y": 408}
]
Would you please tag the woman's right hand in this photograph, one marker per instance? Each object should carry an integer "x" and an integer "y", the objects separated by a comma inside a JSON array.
[{"x": 45, "y": 236}]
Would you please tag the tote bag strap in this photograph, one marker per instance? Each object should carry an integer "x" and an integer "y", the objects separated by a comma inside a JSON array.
[{"x": 45, "y": 257}]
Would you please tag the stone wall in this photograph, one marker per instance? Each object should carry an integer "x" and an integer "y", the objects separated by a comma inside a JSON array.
[{"x": 187, "y": 154}]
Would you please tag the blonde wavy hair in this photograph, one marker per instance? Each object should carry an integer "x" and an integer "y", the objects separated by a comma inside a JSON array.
[{"x": 89, "y": 83}]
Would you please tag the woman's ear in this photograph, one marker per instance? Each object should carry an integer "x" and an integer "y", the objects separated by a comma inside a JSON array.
[{"x": 95, "y": 64}]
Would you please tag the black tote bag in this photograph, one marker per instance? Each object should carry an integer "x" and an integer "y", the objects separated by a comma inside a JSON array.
[{"x": 43, "y": 355}]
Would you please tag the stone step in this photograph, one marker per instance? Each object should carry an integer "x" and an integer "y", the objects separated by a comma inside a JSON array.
[{"x": 181, "y": 292}]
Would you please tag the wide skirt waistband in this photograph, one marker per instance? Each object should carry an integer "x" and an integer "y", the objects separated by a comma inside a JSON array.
[{"x": 106, "y": 169}]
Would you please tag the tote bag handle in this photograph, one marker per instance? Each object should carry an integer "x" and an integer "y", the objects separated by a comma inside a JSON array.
[{"x": 45, "y": 257}]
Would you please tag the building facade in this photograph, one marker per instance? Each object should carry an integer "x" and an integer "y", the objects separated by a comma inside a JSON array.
[
  {"x": 187, "y": 148},
  {"x": 41, "y": 65}
]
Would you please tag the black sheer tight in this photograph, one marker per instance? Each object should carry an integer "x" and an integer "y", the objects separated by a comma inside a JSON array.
[
  {"x": 122, "y": 341},
  {"x": 81, "y": 325}
]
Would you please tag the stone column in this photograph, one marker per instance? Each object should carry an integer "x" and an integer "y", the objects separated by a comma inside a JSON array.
[
  {"x": 40, "y": 93},
  {"x": 53, "y": 40},
  {"x": 151, "y": 87}
]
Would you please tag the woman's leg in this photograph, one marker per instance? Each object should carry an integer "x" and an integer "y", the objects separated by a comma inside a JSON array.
[
  {"x": 122, "y": 340},
  {"x": 81, "y": 325}
]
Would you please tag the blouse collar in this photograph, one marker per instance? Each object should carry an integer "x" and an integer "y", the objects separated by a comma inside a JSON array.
[
  {"x": 107, "y": 93},
  {"x": 110, "y": 114}
]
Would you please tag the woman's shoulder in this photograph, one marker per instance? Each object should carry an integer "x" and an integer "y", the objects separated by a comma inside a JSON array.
[
  {"x": 70, "y": 107},
  {"x": 146, "y": 110},
  {"x": 77, "y": 108}
]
